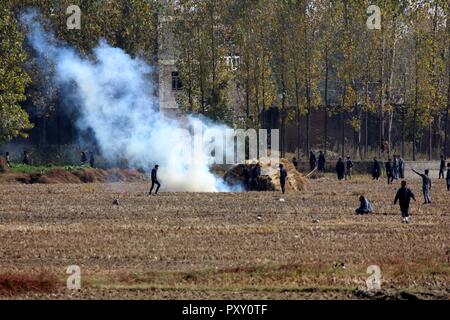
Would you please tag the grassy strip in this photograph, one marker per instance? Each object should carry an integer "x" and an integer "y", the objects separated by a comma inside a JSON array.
[{"x": 27, "y": 169}]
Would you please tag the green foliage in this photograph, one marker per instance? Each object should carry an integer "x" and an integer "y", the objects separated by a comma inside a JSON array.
[{"x": 14, "y": 120}]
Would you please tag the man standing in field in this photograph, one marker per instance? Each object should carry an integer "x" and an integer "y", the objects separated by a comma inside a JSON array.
[
  {"x": 395, "y": 167},
  {"x": 426, "y": 185},
  {"x": 389, "y": 171},
  {"x": 349, "y": 168},
  {"x": 376, "y": 171},
  {"x": 321, "y": 162},
  {"x": 283, "y": 178},
  {"x": 340, "y": 169},
  {"x": 448, "y": 176},
  {"x": 401, "y": 167},
  {"x": 442, "y": 167},
  {"x": 404, "y": 196},
  {"x": 312, "y": 160},
  {"x": 155, "y": 180}
]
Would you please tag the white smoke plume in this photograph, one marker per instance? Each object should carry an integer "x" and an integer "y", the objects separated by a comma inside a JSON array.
[{"x": 115, "y": 97}]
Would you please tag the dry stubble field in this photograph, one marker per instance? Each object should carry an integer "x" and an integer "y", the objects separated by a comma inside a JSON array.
[{"x": 243, "y": 246}]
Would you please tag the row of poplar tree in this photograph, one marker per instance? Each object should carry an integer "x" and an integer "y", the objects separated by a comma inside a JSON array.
[{"x": 297, "y": 55}]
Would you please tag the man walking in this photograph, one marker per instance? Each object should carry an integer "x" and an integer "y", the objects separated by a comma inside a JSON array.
[
  {"x": 404, "y": 196},
  {"x": 155, "y": 180},
  {"x": 442, "y": 167},
  {"x": 349, "y": 169},
  {"x": 340, "y": 169},
  {"x": 283, "y": 178},
  {"x": 426, "y": 185}
]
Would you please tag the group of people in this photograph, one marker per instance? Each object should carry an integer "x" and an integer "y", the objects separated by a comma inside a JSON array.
[
  {"x": 26, "y": 159},
  {"x": 395, "y": 169},
  {"x": 403, "y": 196},
  {"x": 314, "y": 161},
  {"x": 344, "y": 170}
]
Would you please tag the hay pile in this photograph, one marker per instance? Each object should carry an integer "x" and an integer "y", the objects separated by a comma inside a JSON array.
[
  {"x": 270, "y": 177},
  {"x": 85, "y": 175}
]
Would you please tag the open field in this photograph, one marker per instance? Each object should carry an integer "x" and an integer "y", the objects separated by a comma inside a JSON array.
[{"x": 249, "y": 245}]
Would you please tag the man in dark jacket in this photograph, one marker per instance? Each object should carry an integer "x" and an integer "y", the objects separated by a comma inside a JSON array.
[
  {"x": 155, "y": 180},
  {"x": 404, "y": 196},
  {"x": 83, "y": 158},
  {"x": 389, "y": 171},
  {"x": 312, "y": 160},
  {"x": 442, "y": 167},
  {"x": 340, "y": 169},
  {"x": 349, "y": 168},
  {"x": 91, "y": 159},
  {"x": 376, "y": 171},
  {"x": 26, "y": 158},
  {"x": 283, "y": 178},
  {"x": 321, "y": 162}
]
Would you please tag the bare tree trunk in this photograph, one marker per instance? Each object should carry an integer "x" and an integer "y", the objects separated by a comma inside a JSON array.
[{"x": 325, "y": 140}]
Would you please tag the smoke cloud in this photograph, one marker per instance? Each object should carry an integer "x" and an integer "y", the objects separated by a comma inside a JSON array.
[{"x": 115, "y": 97}]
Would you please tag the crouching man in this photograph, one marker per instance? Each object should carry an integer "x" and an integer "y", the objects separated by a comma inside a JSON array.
[{"x": 365, "y": 206}]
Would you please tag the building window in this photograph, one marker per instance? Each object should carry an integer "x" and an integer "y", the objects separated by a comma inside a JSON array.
[{"x": 176, "y": 81}]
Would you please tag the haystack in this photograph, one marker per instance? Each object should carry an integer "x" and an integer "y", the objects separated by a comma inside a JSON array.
[{"x": 270, "y": 177}]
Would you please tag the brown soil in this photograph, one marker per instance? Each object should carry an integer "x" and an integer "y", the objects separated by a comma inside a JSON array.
[{"x": 226, "y": 245}]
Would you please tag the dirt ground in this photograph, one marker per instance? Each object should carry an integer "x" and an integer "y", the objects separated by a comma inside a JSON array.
[{"x": 224, "y": 246}]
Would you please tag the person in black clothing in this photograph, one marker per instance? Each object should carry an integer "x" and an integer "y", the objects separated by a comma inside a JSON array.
[
  {"x": 442, "y": 167},
  {"x": 349, "y": 168},
  {"x": 321, "y": 162},
  {"x": 295, "y": 162},
  {"x": 448, "y": 176},
  {"x": 389, "y": 171},
  {"x": 312, "y": 160},
  {"x": 83, "y": 158},
  {"x": 376, "y": 171},
  {"x": 404, "y": 196},
  {"x": 26, "y": 158},
  {"x": 8, "y": 161},
  {"x": 283, "y": 177},
  {"x": 91, "y": 159},
  {"x": 340, "y": 169},
  {"x": 155, "y": 180}
]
